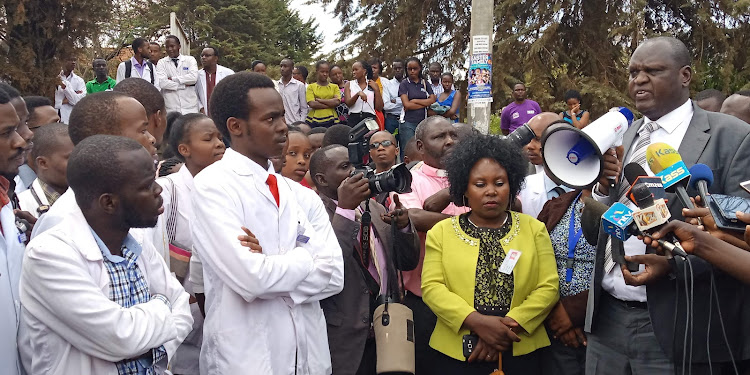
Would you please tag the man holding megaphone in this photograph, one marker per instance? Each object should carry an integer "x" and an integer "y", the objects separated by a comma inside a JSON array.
[{"x": 660, "y": 76}]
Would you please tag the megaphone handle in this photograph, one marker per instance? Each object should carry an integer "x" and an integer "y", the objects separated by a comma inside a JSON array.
[{"x": 612, "y": 183}]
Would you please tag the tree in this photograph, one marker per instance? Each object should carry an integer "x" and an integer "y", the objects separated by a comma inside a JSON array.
[
  {"x": 242, "y": 30},
  {"x": 39, "y": 32},
  {"x": 556, "y": 45}
]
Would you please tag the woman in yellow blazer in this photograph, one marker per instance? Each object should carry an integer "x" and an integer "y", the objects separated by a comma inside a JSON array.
[{"x": 489, "y": 273}]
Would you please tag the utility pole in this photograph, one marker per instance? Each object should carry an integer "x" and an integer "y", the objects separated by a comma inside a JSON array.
[{"x": 480, "y": 77}]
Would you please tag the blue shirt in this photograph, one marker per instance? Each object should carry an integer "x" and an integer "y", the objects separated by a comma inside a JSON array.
[{"x": 415, "y": 90}]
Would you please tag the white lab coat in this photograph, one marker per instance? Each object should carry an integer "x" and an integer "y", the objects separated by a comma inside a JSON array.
[
  {"x": 75, "y": 90},
  {"x": 134, "y": 73},
  {"x": 200, "y": 86},
  {"x": 66, "y": 205},
  {"x": 11, "y": 258},
  {"x": 72, "y": 325},
  {"x": 27, "y": 201},
  {"x": 262, "y": 309},
  {"x": 177, "y": 84},
  {"x": 181, "y": 183}
]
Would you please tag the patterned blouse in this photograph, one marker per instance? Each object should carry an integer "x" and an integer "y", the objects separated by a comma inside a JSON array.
[
  {"x": 493, "y": 290},
  {"x": 583, "y": 258}
]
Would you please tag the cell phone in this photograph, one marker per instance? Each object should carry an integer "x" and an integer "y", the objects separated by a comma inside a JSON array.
[
  {"x": 470, "y": 343},
  {"x": 745, "y": 185},
  {"x": 723, "y": 208}
]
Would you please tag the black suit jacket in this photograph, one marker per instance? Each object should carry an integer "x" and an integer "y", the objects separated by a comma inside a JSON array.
[
  {"x": 348, "y": 314},
  {"x": 723, "y": 143}
]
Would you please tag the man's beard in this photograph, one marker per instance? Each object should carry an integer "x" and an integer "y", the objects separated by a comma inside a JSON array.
[{"x": 132, "y": 220}]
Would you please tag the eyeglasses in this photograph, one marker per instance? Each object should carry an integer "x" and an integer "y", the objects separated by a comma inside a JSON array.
[{"x": 376, "y": 145}]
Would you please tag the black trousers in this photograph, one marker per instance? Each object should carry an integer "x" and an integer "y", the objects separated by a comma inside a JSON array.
[
  {"x": 424, "y": 324},
  {"x": 529, "y": 364}
]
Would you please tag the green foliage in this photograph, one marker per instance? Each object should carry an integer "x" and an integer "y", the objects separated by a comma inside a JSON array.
[
  {"x": 242, "y": 30},
  {"x": 495, "y": 124},
  {"x": 556, "y": 45}
]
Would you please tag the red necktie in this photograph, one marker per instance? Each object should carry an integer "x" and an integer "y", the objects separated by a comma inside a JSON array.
[{"x": 271, "y": 181}]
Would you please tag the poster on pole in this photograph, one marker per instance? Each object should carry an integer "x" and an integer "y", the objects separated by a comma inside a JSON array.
[{"x": 480, "y": 78}]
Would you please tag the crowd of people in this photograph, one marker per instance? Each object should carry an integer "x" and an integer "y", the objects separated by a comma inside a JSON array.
[{"x": 199, "y": 221}]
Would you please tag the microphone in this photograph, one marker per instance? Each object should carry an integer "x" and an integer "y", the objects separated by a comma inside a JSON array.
[
  {"x": 667, "y": 163},
  {"x": 652, "y": 214},
  {"x": 635, "y": 174},
  {"x": 702, "y": 179},
  {"x": 590, "y": 219},
  {"x": 617, "y": 221}
]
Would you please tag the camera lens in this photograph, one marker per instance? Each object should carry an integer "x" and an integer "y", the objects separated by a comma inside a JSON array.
[{"x": 396, "y": 179}]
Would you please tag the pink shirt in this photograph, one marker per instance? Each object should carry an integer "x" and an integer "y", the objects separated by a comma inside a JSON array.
[
  {"x": 425, "y": 182},
  {"x": 351, "y": 215}
]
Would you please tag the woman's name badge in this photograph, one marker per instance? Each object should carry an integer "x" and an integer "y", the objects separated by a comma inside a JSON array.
[{"x": 510, "y": 261}]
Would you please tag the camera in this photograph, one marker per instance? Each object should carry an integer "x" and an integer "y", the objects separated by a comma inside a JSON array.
[{"x": 396, "y": 179}]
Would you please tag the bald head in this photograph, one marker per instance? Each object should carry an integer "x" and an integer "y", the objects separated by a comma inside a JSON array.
[
  {"x": 738, "y": 106},
  {"x": 542, "y": 121},
  {"x": 381, "y": 136}
]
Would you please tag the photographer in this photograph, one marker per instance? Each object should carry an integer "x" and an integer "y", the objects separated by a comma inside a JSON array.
[{"x": 349, "y": 314}]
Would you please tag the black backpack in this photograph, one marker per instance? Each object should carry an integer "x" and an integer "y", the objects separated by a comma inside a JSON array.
[{"x": 129, "y": 69}]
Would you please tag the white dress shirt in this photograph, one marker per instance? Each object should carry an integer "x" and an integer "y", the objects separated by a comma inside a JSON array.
[
  {"x": 178, "y": 84},
  {"x": 263, "y": 314},
  {"x": 536, "y": 192},
  {"x": 200, "y": 86},
  {"x": 75, "y": 90},
  {"x": 70, "y": 324},
  {"x": 295, "y": 102},
  {"x": 672, "y": 128},
  {"x": 28, "y": 202},
  {"x": 390, "y": 92},
  {"x": 11, "y": 258}
]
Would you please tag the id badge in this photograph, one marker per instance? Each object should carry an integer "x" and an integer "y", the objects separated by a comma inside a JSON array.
[
  {"x": 301, "y": 238},
  {"x": 510, "y": 261}
]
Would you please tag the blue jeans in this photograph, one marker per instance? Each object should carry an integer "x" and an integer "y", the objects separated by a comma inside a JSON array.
[
  {"x": 391, "y": 123},
  {"x": 405, "y": 133}
]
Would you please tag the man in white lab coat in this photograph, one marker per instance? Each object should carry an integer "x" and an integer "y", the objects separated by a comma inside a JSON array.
[
  {"x": 11, "y": 240},
  {"x": 177, "y": 75},
  {"x": 263, "y": 311},
  {"x": 209, "y": 76},
  {"x": 94, "y": 300},
  {"x": 70, "y": 89},
  {"x": 106, "y": 112}
]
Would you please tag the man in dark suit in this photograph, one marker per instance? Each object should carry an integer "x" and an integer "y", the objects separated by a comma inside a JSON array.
[
  {"x": 370, "y": 276},
  {"x": 637, "y": 322}
]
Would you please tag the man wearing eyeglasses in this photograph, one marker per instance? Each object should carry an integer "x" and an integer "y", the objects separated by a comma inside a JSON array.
[{"x": 209, "y": 76}]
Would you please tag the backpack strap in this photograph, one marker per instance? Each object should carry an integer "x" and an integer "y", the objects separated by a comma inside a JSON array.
[
  {"x": 128, "y": 68},
  {"x": 151, "y": 69}
]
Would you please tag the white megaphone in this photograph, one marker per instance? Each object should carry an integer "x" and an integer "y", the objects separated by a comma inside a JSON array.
[{"x": 573, "y": 157}]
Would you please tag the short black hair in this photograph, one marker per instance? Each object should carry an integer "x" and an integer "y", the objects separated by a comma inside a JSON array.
[
  {"x": 94, "y": 167},
  {"x": 256, "y": 62},
  {"x": 321, "y": 62},
  {"x": 176, "y": 39},
  {"x": 33, "y": 102},
  {"x": 95, "y": 114},
  {"x": 144, "y": 92},
  {"x": 415, "y": 59},
  {"x": 318, "y": 130},
  {"x": 680, "y": 53},
  {"x": 155, "y": 44},
  {"x": 216, "y": 51},
  {"x": 461, "y": 161},
  {"x": 180, "y": 131},
  {"x": 743, "y": 92},
  {"x": 171, "y": 118},
  {"x": 10, "y": 90},
  {"x": 573, "y": 94},
  {"x": 518, "y": 83},
  {"x": 378, "y": 62},
  {"x": 302, "y": 70},
  {"x": 438, "y": 64},
  {"x": 297, "y": 123},
  {"x": 4, "y": 97},
  {"x": 319, "y": 161},
  {"x": 337, "y": 135},
  {"x": 47, "y": 139},
  {"x": 230, "y": 97},
  {"x": 710, "y": 94},
  {"x": 138, "y": 43},
  {"x": 426, "y": 123},
  {"x": 397, "y": 60},
  {"x": 447, "y": 74}
]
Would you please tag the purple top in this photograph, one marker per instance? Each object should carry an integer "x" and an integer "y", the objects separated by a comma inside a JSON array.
[{"x": 515, "y": 115}]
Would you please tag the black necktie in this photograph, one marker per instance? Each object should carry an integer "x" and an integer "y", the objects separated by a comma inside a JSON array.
[{"x": 175, "y": 60}]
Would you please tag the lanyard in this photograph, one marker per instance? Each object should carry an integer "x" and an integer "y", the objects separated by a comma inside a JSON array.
[{"x": 572, "y": 241}]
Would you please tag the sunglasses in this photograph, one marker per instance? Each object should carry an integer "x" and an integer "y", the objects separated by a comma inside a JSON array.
[{"x": 376, "y": 145}]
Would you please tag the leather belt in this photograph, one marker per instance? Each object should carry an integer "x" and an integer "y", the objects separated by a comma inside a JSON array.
[{"x": 628, "y": 304}]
